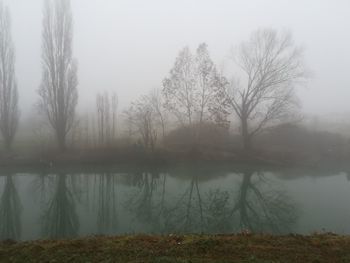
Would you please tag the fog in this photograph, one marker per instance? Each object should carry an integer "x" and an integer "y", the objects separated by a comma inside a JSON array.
[
  {"x": 227, "y": 119},
  {"x": 130, "y": 46}
]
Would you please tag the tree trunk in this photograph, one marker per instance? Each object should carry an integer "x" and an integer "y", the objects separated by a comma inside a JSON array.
[
  {"x": 246, "y": 136},
  {"x": 243, "y": 202}
]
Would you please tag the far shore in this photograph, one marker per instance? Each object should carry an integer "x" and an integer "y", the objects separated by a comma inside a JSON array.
[{"x": 161, "y": 160}]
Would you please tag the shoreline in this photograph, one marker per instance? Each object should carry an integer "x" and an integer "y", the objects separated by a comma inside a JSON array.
[{"x": 69, "y": 163}]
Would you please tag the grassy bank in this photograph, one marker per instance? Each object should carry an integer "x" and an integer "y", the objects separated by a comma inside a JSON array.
[{"x": 190, "y": 248}]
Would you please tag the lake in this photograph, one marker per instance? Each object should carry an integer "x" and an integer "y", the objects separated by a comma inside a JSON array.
[{"x": 181, "y": 200}]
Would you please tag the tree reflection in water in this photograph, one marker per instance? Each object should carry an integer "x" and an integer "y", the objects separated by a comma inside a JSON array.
[
  {"x": 146, "y": 203},
  {"x": 107, "y": 217},
  {"x": 60, "y": 215},
  {"x": 195, "y": 212},
  {"x": 253, "y": 203},
  {"x": 10, "y": 210},
  {"x": 258, "y": 207},
  {"x": 217, "y": 209}
]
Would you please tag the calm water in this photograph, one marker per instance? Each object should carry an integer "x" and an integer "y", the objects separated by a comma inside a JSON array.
[{"x": 35, "y": 206}]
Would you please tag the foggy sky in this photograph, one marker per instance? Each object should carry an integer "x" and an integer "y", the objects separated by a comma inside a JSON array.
[{"x": 129, "y": 46}]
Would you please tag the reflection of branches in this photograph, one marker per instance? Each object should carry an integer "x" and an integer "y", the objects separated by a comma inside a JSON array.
[
  {"x": 107, "y": 208},
  {"x": 187, "y": 214},
  {"x": 10, "y": 211},
  {"x": 217, "y": 212},
  {"x": 195, "y": 212},
  {"x": 262, "y": 211},
  {"x": 39, "y": 186},
  {"x": 60, "y": 217},
  {"x": 143, "y": 203},
  {"x": 188, "y": 224},
  {"x": 162, "y": 201}
]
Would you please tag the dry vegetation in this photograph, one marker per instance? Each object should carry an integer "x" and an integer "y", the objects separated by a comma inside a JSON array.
[{"x": 190, "y": 248}]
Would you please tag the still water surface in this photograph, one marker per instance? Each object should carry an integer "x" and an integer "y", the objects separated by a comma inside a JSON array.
[{"x": 60, "y": 205}]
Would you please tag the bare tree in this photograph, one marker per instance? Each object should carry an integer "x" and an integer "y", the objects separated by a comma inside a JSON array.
[
  {"x": 144, "y": 120},
  {"x": 208, "y": 83},
  {"x": 106, "y": 108},
  {"x": 192, "y": 89},
  {"x": 114, "y": 105},
  {"x": 100, "y": 107},
  {"x": 9, "y": 113},
  {"x": 272, "y": 66},
  {"x": 259, "y": 207},
  {"x": 179, "y": 88},
  {"x": 58, "y": 90},
  {"x": 156, "y": 101}
]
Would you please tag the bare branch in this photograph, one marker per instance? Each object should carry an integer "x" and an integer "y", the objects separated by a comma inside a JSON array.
[{"x": 273, "y": 67}]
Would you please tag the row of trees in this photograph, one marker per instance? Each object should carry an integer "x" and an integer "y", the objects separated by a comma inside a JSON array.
[
  {"x": 58, "y": 90},
  {"x": 267, "y": 68},
  {"x": 266, "y": 71}
]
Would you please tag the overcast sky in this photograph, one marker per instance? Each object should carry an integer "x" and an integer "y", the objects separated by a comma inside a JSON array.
[{"x": 129, "y": 46}]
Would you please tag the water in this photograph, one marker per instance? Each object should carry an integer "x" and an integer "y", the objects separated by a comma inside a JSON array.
[{"x": 182, "y": 200}]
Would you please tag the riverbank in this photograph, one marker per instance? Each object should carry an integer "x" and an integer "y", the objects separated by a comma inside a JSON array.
[
  {"x": 117, "y": 159},
  {"x": 243, "y": 248}
]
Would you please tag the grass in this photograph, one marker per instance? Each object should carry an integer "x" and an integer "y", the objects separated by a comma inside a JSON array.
[{"x": 180, "y": 249}]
